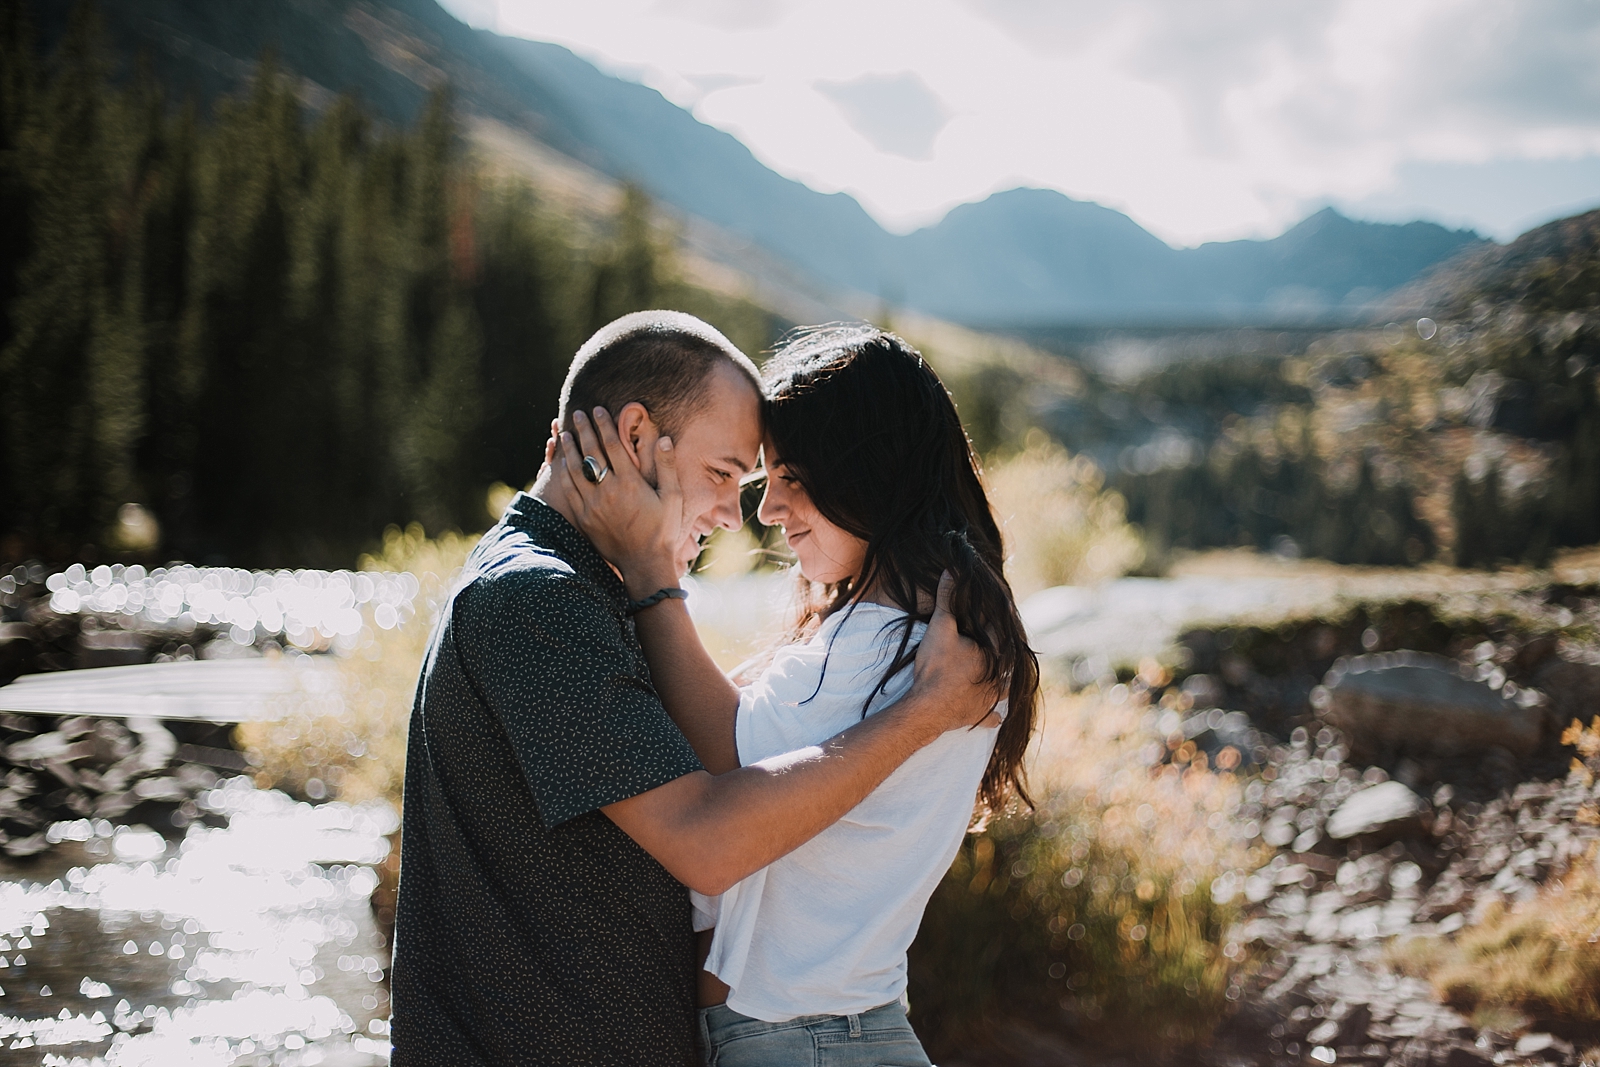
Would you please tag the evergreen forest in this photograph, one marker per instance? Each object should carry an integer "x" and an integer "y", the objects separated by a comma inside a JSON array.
[{"x": 275, "y": 329}]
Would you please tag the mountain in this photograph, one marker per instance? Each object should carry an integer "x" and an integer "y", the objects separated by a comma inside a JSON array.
[
  {"x": 1554, "y": 268},
  {"x": 1021, "y": 257},
  {"x": 632, "y": 132},
  {"x": 1025, "y": 256}
]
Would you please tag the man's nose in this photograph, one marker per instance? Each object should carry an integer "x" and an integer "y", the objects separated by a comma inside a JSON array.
[{"x": 728, "y": 514}]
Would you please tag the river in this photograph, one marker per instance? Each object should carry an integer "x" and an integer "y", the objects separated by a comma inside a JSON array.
[{"x": 251, "y": 942}]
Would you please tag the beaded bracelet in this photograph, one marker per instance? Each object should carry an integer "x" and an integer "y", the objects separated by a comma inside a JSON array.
[{"x": 670, "y": 593}]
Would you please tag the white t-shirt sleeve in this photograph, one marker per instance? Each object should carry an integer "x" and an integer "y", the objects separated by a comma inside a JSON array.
[{"x": 706, "y": 910}]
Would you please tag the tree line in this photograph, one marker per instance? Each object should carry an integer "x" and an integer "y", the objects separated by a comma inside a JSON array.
[
  {"x": 1536, "y": 373},
  {"x": 277, "y": 330}
]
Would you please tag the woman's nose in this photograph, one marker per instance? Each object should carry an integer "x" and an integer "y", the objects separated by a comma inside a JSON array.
[{"x": 772, "y": 510}]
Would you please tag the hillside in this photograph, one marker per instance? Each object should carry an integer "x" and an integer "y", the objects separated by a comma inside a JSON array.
[
  {"x": 1026, "y": 256},
  {"x": 1551, "y": 268},
  {"x": 1466, "y": 430}
]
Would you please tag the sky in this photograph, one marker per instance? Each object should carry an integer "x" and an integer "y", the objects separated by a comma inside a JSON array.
[{"x": 1202, "y": 119}]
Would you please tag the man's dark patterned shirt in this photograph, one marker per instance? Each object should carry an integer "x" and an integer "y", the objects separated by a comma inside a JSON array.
[{"x": 530, "y": 929}]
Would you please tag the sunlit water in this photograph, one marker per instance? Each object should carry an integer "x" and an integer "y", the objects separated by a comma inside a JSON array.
[
  {"x": 304, "y": 607},
  {"x": 253, "y": 944}
]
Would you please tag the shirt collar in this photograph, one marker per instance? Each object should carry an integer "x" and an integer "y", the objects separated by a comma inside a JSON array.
[{"x": 552, "y": 530}]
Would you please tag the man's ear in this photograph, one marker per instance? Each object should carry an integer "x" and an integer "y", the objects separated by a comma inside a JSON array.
[{"x": 639, "y": 434}]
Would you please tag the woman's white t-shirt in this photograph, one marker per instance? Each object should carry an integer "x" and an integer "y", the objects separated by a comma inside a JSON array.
[{"x": 824, "y": 930}]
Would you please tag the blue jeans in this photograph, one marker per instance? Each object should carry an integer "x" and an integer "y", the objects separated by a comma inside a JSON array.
[{"x": 880, "y": 1037}]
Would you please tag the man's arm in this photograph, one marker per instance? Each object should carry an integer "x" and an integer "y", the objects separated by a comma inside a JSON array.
[{"x": 711, "y": 831}]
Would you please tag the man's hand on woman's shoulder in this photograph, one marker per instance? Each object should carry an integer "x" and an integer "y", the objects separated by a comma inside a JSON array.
[{"x": 949, "y": 677}]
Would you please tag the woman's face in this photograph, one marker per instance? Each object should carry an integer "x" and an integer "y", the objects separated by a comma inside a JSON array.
[{"x": 826, "y": 553}]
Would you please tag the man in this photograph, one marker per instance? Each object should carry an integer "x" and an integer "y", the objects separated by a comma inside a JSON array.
[{"x": 553, "y": 812}]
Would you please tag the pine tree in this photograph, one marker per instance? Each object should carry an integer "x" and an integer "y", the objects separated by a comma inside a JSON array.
[
  {"x": 282, "y": 332},
  {"x": 59, "y": 404}
]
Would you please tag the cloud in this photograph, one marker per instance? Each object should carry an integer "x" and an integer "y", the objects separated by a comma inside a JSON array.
[
  {"x": 710, "y": 83},
  {"x": 1500, "y": 199},
  {"x": 897, "y": 113},
  {"x": 729, "y": 14},
  {"x": 1210, "y": 120},
  {"x": 1458, "y": 80}
]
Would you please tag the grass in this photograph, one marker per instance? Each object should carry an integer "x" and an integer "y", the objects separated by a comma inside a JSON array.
[
  {"x": 1094, "y": 913},
  {"x": 351, "y": 741},
  {"x": 1538, "y": 959}
]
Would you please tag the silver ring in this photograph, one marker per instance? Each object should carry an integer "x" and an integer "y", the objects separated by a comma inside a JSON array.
[{"x": 593, "y": 471}]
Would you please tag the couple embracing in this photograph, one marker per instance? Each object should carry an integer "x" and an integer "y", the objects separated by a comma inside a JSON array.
[{"x": 614, "y": 853}]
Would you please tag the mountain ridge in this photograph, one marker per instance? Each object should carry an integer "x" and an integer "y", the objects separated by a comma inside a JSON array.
[{"x": 1018, "y": 257}]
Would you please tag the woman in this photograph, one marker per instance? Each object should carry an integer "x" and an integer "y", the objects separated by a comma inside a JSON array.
[{"x": 875, "y": 485}]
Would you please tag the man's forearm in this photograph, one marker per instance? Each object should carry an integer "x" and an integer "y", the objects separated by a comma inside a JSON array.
[{"x": 711, "y": 831}]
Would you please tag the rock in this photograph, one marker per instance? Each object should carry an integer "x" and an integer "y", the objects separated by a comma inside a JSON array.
[
  {"x": 1362, "y": 924},
  {"x": 1364, "y": 879},
  {"x": 1529, "y": 1044},
  {"x": 1573, "y": 690},
  {"x": 1419, "y": 1052},
  {"x": 1412, "y": 701},
  {"x": 165, "y": 788},
  {"x": 1322, "y": 916},
  {"x": 1353, "y": 1027},
  {"x": 1324, "y": 1033},
  {"x": 52, "y": 747},
  {"x": 31, "y": 845},
  {"x": 1462, "y": 1056},
  {"x": 112, "y": 648},
  {"x": 1388, "y": 808},
  {"x": 18, "y": 650}
]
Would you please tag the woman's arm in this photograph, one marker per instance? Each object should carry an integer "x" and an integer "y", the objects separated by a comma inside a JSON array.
[
  {"x": 698, "y": 696},
  {"x": 635, "y": 527}
]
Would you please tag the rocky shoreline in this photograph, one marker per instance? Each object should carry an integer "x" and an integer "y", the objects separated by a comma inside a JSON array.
[
  {"x": 1319, "y": 920},
  {"x": 1409, "y": 822}
]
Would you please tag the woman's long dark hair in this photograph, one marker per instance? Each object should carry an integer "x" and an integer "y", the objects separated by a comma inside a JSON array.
[{"x": 872, "y": 435}]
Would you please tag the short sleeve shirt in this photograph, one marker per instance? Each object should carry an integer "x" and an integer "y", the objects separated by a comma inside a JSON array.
[{"x": 529, "y": 928}]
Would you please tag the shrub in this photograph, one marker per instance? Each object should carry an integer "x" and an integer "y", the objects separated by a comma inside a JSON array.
[
  {"x": 349, "y": 738},
  {"x": 1062, "y": 527},
  {"x": 1094, "y": 913}
]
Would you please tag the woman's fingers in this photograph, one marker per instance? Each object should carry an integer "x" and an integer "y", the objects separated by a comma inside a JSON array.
[
  {"x": 572, "y": 466},
  {"x": 590, "y": 442},
  {"x": 610, "y": 440},
  {"x": 666, "y": 468}
]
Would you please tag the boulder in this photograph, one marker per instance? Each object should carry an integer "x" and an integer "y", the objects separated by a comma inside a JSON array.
[
  {"x": 1410, "y": 701},
  {"x": 113, "y": 648},
  {"x": 18, "y": 650},
  {"x": 1573, "y": 690},
  {"x": 1388, "y": 808}
]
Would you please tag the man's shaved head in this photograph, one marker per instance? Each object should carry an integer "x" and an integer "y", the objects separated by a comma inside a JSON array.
[{"x": 661, "y": 359}]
